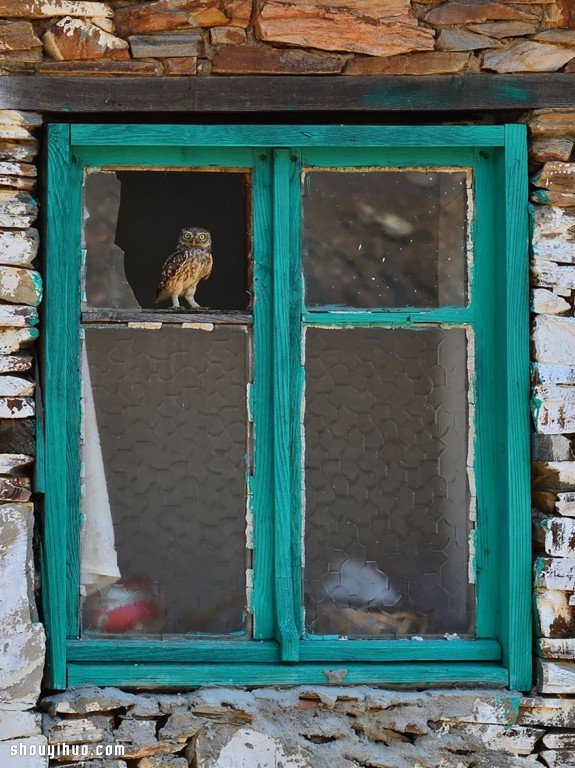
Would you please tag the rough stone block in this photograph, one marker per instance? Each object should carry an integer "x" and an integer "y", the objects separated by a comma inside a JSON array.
[
  {"x": 547, "y": 373},
  {"x": 454, "y": 12},
  {"x": 554, "y": 235},
  {"x": 454, "y": 39},
  {"x": 554, "y": 616},
  {"x": 565, "y": 504},
  {"x": 14, "y": 489},
  {"x": 44, "y": 9},
  {"x": 18, "y": 435},
  {"x": 501, "y": 29},
  {"x": 101, "y": 68},
  {"x": 552, "y": 275},
  {"x": 165, "y": 761},
  {"x": 564, "y": 758},
  {"x": 555, "y": 676},
  {"x": 16, "y": 407},
  {"x": 17, "y": 316},
  {"x": 554, "y": 339},
  {"x": 138, "y": 737},
  {"x": 161, "y": 15},
  {"x": 167, "y": 44},
  {"x": 88, "y": 699},
  {"x": 181, "y": 726},
  {"x": 14, "y": 386},
  {"x": 73, "y": 39},
  {"x": 546, "y": 302},
  {"x": 550, "y": 197},
  {"x": 18, "y": 36},
  {"x": 21, "y": 666},
  {"x": 558, "y": 36},
  {"x": 527, "y": 56},
  {"x": 228, "y": 36},
  {"x": 542, "y": 150},
  {"x": 14, "y": 463},
  {"x": 381, "y": 28},
  {"x": 556, "y": 648},
  {"x": 553, "y": 476},
  {"x": 553, "y": 409},
  {"x": 552, "y": 122},
  {"x": 18, "y": 150},
  {"x": 19, "y": 725},
  {"x": 80, "y": 730},
  {"x": 556, "y": 176},
  {"x": 15, "y": 340},
  {"x": 34, "y": 745},
  {"x": 555, "y": 573},
  {"x": 551, "y": 448},
  {"x": 184, "y": 65},
  {"x": 547, "y": 712},
  {"x": 262, "y": 60},
  {"x": 20, "y": 286},
  {"x": 558, "y": 536},
  {"x": 432, "y": 63}
]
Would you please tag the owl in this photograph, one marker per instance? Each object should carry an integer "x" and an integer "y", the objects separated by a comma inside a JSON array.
[{"x": 188, "y": 264}]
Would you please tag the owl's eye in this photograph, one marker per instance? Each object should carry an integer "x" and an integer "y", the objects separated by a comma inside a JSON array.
[
  {"x": 188, "y": 236},
  {"x": 201, "y": 237}
]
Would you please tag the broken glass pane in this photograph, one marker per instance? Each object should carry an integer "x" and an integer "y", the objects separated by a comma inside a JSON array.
[
  {"x": 384, "y": 238},
  {"x": 133, "y": 221},
  {"x": 387, "y": 498},
  {"x": 164, "y": 454}
]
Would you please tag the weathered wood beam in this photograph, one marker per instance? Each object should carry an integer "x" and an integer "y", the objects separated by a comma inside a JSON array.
[{"x": 287, "y": 94}]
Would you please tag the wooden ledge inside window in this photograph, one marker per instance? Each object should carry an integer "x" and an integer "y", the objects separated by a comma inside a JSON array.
[{"x": 105, "y": 316}]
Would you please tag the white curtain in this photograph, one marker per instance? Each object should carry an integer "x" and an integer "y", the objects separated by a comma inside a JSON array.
[{"x": 99, "y": 564}]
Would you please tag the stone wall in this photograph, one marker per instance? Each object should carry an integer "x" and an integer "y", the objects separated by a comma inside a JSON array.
[
  {"x": 354, "y": 37},
  {"x": 315, "y": 727}
]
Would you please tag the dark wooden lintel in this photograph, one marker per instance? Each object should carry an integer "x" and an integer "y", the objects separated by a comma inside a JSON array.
[
  {"x": 221, "y": 94},
  {"x": 165, "y": 316}
]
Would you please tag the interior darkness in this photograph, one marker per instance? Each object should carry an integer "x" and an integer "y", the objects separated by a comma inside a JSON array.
[{"x": 153, "y": 208}]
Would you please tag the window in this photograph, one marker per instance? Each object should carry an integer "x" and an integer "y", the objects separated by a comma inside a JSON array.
[{"x": 321, "y": 474}]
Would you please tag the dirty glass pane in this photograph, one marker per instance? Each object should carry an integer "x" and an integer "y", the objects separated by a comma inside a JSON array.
[
  {"x": 384, "y": 238},
  {"x": 132, "y": 225},
  {"x": 164, "y": 457},
  {"x": 386, "y": 519}
]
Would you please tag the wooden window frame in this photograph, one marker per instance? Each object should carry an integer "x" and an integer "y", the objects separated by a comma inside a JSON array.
[{"x": 280, "y": 653}]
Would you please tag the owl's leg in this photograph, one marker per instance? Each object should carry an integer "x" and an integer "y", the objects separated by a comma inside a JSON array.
[
  {"x": 189, "y": 296},
  {"x": 175, "y": 301}
]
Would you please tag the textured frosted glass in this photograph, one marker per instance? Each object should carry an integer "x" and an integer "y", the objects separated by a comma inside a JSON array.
[
  {"x": 384, "y": 238},
  {"x": 386, "y": 522},
  {"x": 171, "y": 412}
]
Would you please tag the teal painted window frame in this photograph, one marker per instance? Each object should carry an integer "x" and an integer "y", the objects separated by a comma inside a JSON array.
[{"x": 499, "y": 310}]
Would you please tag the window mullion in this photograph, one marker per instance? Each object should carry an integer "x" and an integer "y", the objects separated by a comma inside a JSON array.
[{"x": 285, "y": 624}]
